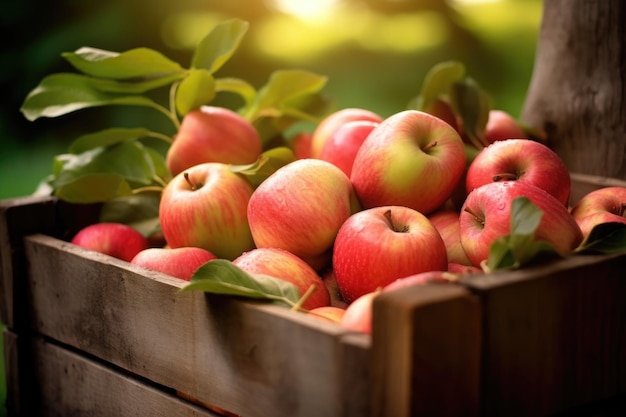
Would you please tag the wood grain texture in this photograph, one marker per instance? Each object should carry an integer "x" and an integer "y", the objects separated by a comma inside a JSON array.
[
  {"x": 70, "y": 384},
  {"x": 217, "y": 349},
  {"x": 577, "y": 92},
  {"x": 553, "y": 335},
  {"x": 426, "y": 352}
]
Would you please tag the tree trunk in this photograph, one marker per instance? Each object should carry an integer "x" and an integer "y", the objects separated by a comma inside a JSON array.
[{"x": 577, "y": 93}]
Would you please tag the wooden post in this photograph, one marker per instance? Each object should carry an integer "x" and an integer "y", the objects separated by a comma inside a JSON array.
[{"x": 577, "y": 93}]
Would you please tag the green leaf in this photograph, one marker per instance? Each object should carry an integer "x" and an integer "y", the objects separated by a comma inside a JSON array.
[
  {"x": 237, "y": 86},
  {"x": 130, "y": 160},
  {"x": 605, "y": 238},
  {"x": 134, "y": 63},
  {"x": 221, "y": 276},
  {"x": 283, "y": 90},
  {"x": 219, "y": 45},
  {"x": 134, "y": 86},
  {"x": 197, "y": 89},
  {"x": 266, "y": 165},
  {"x": 519, "y": 248},
  {"x": 63, "y": 93},
  {"x": 92, "y": 188},
  {"x": 472, "y": 104},
  {"x": 107, "y": 137},
  {"x": 437, "y": 84},
  {"x": 138, "y": 210}
]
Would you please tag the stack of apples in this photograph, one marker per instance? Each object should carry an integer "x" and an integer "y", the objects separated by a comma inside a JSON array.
[{"x": 368, "y": 204}]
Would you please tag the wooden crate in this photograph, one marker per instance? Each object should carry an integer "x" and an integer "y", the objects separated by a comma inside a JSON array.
[{"x": 90, "y": 335}]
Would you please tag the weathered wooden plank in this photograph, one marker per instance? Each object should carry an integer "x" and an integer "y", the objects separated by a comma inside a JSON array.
[
  {"x": 217, "y": 349},
  {"x": 426, "y": 352},
  {"x": 70, "y": 384},
  {"x": 553, "y": 335}
]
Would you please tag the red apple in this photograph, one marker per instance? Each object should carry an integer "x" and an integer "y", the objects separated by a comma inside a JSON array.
[
  {"x": 213, "y": 134},
  {"x": 342, "y": 146},
  {"x": 501, "y": 126},
  {"x": 178, "y": 262},
  {"x": 301, "y": 145},
  {"x": 206, "y": 206},
  {"x": 410, "y": 159},
  {"x": 447, "y": 223},
  {"x": 300, "y": 208},
  {"x": 607, "y": 204},
  {"x": 358, "y": 315},
  {"x": 420, "y": 278},
  {"x": 379, "y": 245},
  {"x": 282, "y": 264},
  {"x": 332, "y": 314},
  {"x": 333, "y": 121},
  {"x": 114, "y": 239},
  {"x": 486, "y": 216},
  {"x": 520, "y": 160}
]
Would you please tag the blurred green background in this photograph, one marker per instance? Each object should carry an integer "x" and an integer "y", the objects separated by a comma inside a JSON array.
[{"x": 375, "y": 53}]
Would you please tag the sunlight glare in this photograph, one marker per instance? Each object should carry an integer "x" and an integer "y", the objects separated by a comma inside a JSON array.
[{"x": 305, "y": 9}]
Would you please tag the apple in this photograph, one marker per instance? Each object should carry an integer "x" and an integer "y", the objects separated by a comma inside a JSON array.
[
  {"x": 358, "y": 315},
  {"x": 444, "y": 277},
  {"x": 282, "y": 264},
  {"x": 333, "y": 121},
  {"x": 300, "y": 208},
  {"x": 206, "y": 206},
  {"x": 332, "y": 314},
  {"x": 501, "y": 126},
  {"x": 410, "y": 159},
  {"x": 330, "y": 280},
  {"x": 178, "y": 262},
  {"x": 607, "y": 204},
  {"x": 213, "y": 134},
  {"x": 118, "y": 240},
  {"x": 379, "y": 245},
  {"x": 457, "y": 268},
  {"x": 485, "y": 217},
  {"x": 520, "y": 160},
  {"x": 447, "y": 223},
  {"x": 300, "y": 144},
  {"x": 342, "y": 146}
]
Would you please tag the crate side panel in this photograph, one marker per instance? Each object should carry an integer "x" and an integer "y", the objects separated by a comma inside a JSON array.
[
  {"x": 426, "y": 349},
  {"x": 216, "y": 349},
  {"x": 70, "y": 384},
  {"x": 554, "y": 336}
]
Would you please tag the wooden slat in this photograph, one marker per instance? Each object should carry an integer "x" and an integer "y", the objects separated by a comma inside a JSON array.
[
  {"x": 553, "y": 335},
  {"x": 426, "y": 352},
  {"x": 69, "y": 384},
  {"x": 253, "y": 359},
  {"x": 583, "y": 184}
]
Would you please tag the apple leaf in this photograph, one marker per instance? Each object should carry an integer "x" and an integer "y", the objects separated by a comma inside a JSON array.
[
  {"x": 472, "y": 104},
  {"x": 63, "y": 93},
  {"x": 134, "y": 63},
  {"x": 221, "y": 276},
  {"x": 107, "y": 137},
  {"x": 284, "y": 90},
  {"x": 266, "y": 165},
  {"x": 605, "y": 238},
  {"x": 238, "y": 86},
  {"x": 92, "y": 188},
  {"x": 219, "y": 45},
  {"x": 519, "y": 248},
  {"x": 437, "y": 83},
  {"x": 197, "y": 89},
  {"x": 135, "y": 85},
  {"x": 138, "y": 210}
]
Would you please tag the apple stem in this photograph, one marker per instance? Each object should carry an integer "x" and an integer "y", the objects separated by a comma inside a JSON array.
[
  {"x": 430, "y": 145},
  {"x": 476, "y": 217},
  {"x": 393, "y": 227},
  {"x": 506, "y": 176},
  {"x": 191, "y": 184},
  {"x": 298, "y": 306}
]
